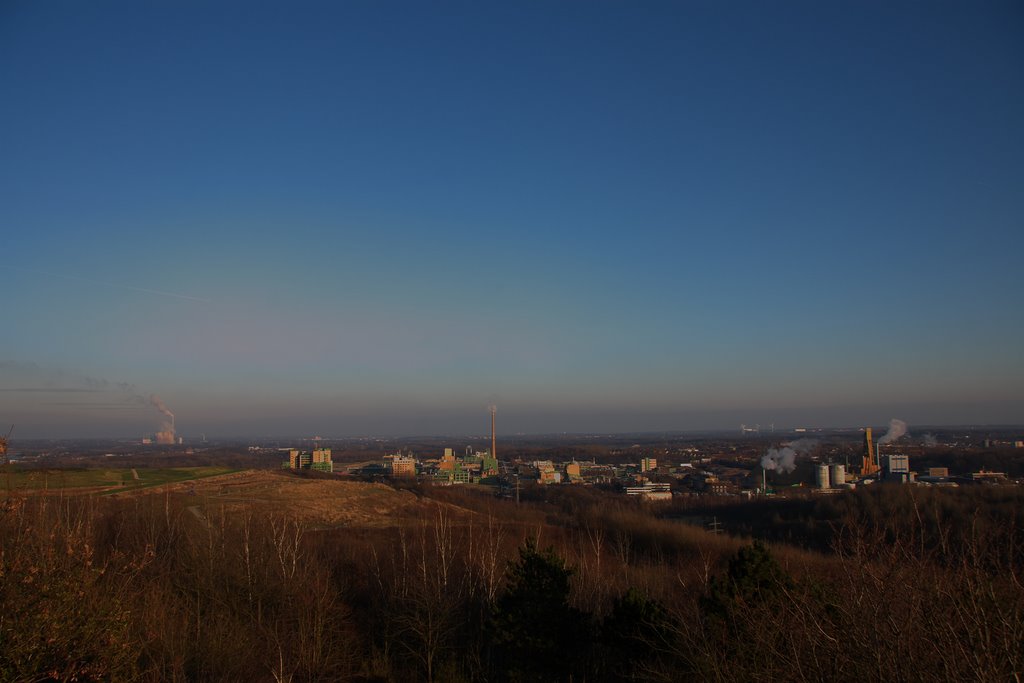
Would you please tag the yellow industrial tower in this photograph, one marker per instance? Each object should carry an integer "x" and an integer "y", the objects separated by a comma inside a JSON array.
[{"x": 868, "y": 464}]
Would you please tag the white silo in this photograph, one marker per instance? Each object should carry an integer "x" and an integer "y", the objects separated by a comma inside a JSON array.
[
  {"x": 821, "y": 479},
  {"x": 837, "y": 473}
]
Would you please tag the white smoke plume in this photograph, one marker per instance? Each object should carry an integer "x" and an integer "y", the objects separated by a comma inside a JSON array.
[
  {"x": 159, "y": 405},
  {"x": 30, "y": 380},
  {"x": 803, "y": 445},
  {"x": 166, "y": 433},
  {"x": 897, "y": 428},
  {"x": 779, "y": 459},
  {"x": 784, "y": 459},
  {"x": 930, "y": 440}
]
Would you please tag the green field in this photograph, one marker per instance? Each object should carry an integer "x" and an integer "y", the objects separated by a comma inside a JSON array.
[{"x": 120, "y": 479}]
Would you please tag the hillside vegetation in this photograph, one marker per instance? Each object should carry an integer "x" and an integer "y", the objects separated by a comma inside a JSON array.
[{"x": 271, "y": 577}]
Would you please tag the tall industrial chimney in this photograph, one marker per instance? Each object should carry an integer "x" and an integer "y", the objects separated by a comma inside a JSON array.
[{"x": 494, "y": 447}]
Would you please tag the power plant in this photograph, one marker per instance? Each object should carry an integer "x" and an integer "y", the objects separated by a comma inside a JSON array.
[
  {"x": 166, "y": 433},
  {"x": 831, "y": 476},
  {"x": 897, "y": 465}
]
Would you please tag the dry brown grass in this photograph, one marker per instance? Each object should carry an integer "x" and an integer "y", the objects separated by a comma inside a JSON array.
[{"x": 311, "y": 501}]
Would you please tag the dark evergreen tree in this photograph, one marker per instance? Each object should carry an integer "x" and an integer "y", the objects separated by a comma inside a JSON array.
[
  {"x": 636, "y": 636},
  {"x": 537, "y": 635},
  {"x": 746, "y": 614},
  {"x": 753, "y": 578}
]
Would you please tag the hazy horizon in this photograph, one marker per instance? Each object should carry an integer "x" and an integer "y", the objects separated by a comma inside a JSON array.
[
  {"x": 366, "y": 217},
  {"x": 98, "y": 405}
]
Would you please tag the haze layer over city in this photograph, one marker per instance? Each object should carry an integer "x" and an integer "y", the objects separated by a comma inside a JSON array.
[{"x": 380, "y": 218}]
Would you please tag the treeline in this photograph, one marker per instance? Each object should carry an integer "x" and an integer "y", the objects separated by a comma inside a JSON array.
[
  {"x": 937, "y": 515},
  {"x": 153, "y": 588}
]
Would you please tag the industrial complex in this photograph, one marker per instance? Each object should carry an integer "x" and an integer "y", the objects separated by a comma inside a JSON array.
[{"x": 805, "y": 465}]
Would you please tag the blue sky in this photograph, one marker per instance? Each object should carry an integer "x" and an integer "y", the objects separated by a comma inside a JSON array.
[{"x": 380, "y": 217}]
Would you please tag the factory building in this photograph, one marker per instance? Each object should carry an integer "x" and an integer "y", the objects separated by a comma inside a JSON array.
[
  {"x": 546, "y": 472},
  {"x": 474, "y": 467},
  {"x": 987, "y": 476},
  {"x": 452, "y": 470},
  {"x": 165, "y": 438},
  {"x": 402, "y": 465},
  {"x": 898, "y": 467},
  {"x": 471, "y": 468},
  {"x": 650, "y": 491}
]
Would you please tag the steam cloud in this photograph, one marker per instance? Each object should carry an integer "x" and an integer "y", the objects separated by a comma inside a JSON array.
[
  {"x": 930, "y": 440},
  {"x": 784, "y": 459},
  {"x": 30, "y": 378},
  {"x": 166, "y": 433},
  {"x": 897, "y": 428},
  {"x": 159, "y": 405}
]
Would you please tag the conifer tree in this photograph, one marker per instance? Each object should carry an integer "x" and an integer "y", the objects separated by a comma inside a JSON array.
[{"x": 538, "y": 636}]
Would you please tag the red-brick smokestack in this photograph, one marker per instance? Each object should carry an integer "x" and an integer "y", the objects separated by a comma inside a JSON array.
[{"x": 494, "y": 448}]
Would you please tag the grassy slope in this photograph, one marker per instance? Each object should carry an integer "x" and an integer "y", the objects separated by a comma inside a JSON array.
[{"x": 116, "y": 479}]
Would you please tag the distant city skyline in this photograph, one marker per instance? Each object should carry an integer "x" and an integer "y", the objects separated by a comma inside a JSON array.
[{"x": 380, "y": 218}]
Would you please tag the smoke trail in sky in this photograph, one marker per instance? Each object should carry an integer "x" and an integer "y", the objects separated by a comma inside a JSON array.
[
  {"x": 159, "y": 405},
  {"x": 897, "y": 428},
  {"x": 31, "y": 379},
  {"x": 802, "y": 445}
]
